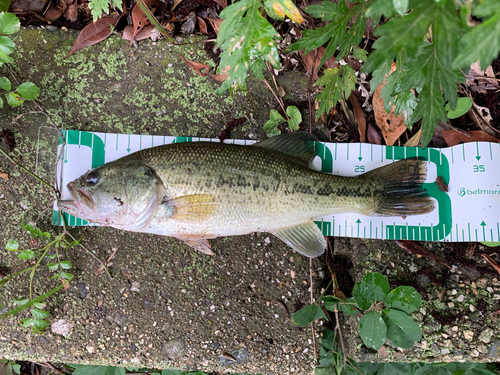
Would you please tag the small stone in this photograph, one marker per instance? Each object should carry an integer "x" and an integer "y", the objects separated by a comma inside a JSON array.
[
  {"x": 135, "y": 286},
  {"x": 90, "y": 349},
  {"x": 445, "y": 351},
  {"x": 62, "y": 327},
  {"x": 454, "y": 328},
  {"x": 451, "y": 304},
  {"x": 472, "y": 308},
  {"x": 482, "y": 282},
  {"x": 51, "y": 28},
  {"x": 64, "y": 28},
  {"x": 267, "y": 240},
  {"x": 82, "y": 287},
  {"x": 460, "y": 298},
  {"x": 174, "y": 349},
  {"x": 453, "y": 292},
  {"x": 292, "y": 274},
  {"x": 468, "y": 335},
  {"x": 486, "y": 335}
]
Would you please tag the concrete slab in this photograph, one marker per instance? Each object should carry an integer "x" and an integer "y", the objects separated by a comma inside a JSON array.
[{"x": 166, "y": 305}]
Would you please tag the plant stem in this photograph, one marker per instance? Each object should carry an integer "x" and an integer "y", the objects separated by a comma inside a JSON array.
[{"x": 29, "y": 172}]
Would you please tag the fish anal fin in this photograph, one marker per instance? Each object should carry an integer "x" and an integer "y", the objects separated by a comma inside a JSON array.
[
  {"x": 195, "y": 207},
  {"x": 200, "y": 244},
  {"x": 298, "y": 146},
  {"x": 305, "y": 238}
]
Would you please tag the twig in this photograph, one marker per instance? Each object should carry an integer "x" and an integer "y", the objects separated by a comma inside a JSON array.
[
  {"x": 276, "y": 96},
  {"x": 309, "y": 90},
  {"x": 312, "y": 301},
  {"x": 337, "y": 328},
  {"x": 29, "y": 172},
  {"x": 48, "y": 365}
]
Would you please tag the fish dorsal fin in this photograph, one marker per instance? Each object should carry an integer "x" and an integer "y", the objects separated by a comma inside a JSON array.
[
  {"x": 195, "y": 207},
  {"x": 305, "y": 238},
  {"x": 299, "y": 146}
]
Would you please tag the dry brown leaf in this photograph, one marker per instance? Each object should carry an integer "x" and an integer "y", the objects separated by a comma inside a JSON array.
[
  {"x": 219, "y": 77},
  {"x": 145, "y": 33},
  {"x": 196, "y": 66},
  {"x": 415, "y": 248},
  {"x": 453, "y": 138},
  {"x": 139, "y": 19},
  {"x": 392, "y": 126},
  {"x": 202, "y": 26},
  {"x": 359, "y": 116},
  {"x": 481, "y": 80},
  {"x": 372, "y": 135},
  {"x": 71, "y": 13},
  {"x": 35, "y": 6},
  {"x": 415, "y": 140},
  {"x": 56, "y": 11},
  {"x": 309, "y": 59},
  {"x": 4, "y": 175},
  {"x": 222, "y": 3},
  {"x": 492, "y": 262},
  {"x": 215, "y": 22},
  {"x": 95, "y": 32}
]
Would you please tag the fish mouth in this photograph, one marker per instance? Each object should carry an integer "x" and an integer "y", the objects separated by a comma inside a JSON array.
[{"x": 81, "y": 204}]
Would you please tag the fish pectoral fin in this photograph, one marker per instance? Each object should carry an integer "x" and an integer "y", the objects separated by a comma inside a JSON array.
[
  {"x": 200, "y": 244},
  {"x": 195, "y": 207},
  {"x": 305, "y": 238}
]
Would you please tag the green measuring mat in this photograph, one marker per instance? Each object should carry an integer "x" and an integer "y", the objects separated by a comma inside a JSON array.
[{"x": 468, "y": 211}]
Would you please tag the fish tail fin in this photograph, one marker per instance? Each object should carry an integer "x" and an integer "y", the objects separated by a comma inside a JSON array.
[{"x": 402, "y": 193}]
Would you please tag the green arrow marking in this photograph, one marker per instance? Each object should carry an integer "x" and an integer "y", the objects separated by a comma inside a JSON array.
[
  {"x": 483, "y": 224},
  {"x": 477, "y": 151},
  {"x": 360, "y": 157},
  {"x": 128, "y": 148},
  {"x": 358, "y": 222}
]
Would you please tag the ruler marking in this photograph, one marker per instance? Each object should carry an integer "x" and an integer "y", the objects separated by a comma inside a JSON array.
[
  {"x": 348, "y": 151},
  {"x": 371, "y": 152},
  {"x": 117, "y": 142},
  {"x": 498, "y": 231},
  {"x": 382, "y": 230},
  {"x": 335, "y": 151},
  {"x": 491, "y": 234},
  {"x": 475, "y": 230},
  {"x": 140, "y": 142},
  {"x": 463, "y": 151},
  {"x": 468, "y": 226},
  {"x": 370, "y": 229},
  {"x": 440, "y": 157},
  {"x": 491, "y": 153},
  {"x": 333, "y": 227},
  {"x": 452, "y": 159}
]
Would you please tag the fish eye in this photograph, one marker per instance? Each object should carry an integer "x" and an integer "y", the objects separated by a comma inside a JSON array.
[{"x": 92, "y": 178}]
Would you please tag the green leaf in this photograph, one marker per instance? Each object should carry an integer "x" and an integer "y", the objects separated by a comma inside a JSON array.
[
  {"x": 39, "y": 305},
  {"x": 401, "y": 6},
  {"x": 170, "y": 372},
  {"x": 335, "y": 32},
  {"x": 404, "y": 298},
  {"x": 66, "y": 275},
  {"x": 98, "y": 8},
  {"x": 9, "y": 23},
  {"x": 245, "y": 37},
  {"x": 4, "y": 57},
  {"x": 6, "y": 45},
  {"x": 4, "y": 5},
  {"x": 374, "y": 286},
  {"x": 362, "y": 301},
  {"x": 26, "y": 254},
  {"x": 39, "y": 325},
  {"x": 12, "y": 245},
  {"x": 21, "y": 302},
  {"x": 463, "y": 106},
  {"x": 491, "y": 244},
  {"x": 274, "y": 115},
  {"x": 295, "y": 117},
  {"x": 5, "y": 83},
  {"x": 53, "y": 266},
  {"x": 39, "y": 314},
  {"x": 348, "y": 309},
  {"x": 306, "y": 315},
  {"x": 406, "y": 32},
  {"x": 337, "y": 82},
  {"x": 28, "y": 91},
  {"x": 401, "y": 329},
  {"x": 66, "y": 264},
  {"x": 89, "y": 370},
  {"x": 27, "y": 322},
  {"x": 359, "y": 53},
  {"x": 379, "y": 8},
  {"x": 14, "y": 99},
  {"x": 372, "y": 330},
  {"x": 483, "y": 41}
]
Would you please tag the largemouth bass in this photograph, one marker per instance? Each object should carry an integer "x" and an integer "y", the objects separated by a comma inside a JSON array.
[{"x": 202, "y": 190}]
